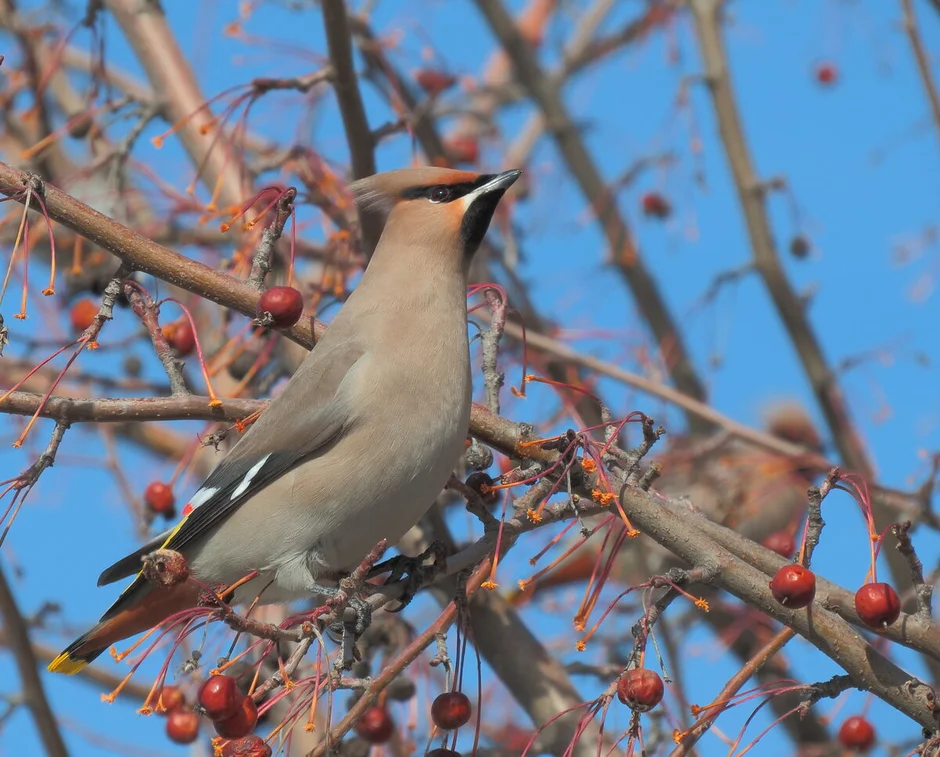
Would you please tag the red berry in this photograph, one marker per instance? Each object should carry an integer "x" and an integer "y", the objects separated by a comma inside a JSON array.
[
  {"x": 433, "y": 81},
  {"x": 794, "y": 586},
  {"x": 248, "y": 746},
  {"x": 857, "y": 733},
  {"x": 463, "y": 149},
  {"x": 877, "y": 605},
  {"x": 239, "y": 724},
  {"x": 656, "y": 206},
  {"x": 182, "y": 726},
  {"x": 220, "y": 698},
  {"x": 159, "y": 498},
  {"x": 640, "y": 688},
  {"x": 285, "y": 304},
  {"x": 376, "y": 725},
  {"x": 171, "y": 698},
  {"x": 451, "y": 710},
  {"x": 82, "y": 314},
  {"x": 826, "y": 73},
  {"x": 180, "y": 336},
  {"x": 442, "y": 752},
  {"x": 781, "y": 542}
]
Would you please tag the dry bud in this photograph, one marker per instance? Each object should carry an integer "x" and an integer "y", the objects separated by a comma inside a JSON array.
[{"x": 166, "y": 568}]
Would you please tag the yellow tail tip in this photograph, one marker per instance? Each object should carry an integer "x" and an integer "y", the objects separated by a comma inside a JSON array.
[{"x": 66, "y": 665}]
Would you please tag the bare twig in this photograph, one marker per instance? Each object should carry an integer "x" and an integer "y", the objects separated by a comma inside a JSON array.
[
  {"x": 922, "y": 588},
  {"x": 923, "y": 62},
  {"x": 146, "y": 309}
]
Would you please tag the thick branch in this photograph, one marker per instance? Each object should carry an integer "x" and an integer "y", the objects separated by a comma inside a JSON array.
[
  {"x": 355, "y": 123},
  {"x": 156, "y": 48},
  {"x": 17, "y": 638}
]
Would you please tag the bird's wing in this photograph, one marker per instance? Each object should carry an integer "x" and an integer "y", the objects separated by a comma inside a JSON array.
[{"x": 310, "y": 414}]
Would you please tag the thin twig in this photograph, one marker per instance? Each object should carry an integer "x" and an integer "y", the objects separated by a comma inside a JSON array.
[{"x": 923, "y": 62}]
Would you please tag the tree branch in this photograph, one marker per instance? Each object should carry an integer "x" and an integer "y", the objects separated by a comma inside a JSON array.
[
  {"x": 559, "y": 124},
  {"x": 17, "y": 638},
  {"x": 355, "y": 123}
]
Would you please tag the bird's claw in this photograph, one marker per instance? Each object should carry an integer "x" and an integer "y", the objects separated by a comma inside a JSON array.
[{"x": 413, "y": 570}]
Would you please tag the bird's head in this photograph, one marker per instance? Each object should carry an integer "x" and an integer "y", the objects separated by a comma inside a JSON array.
[{"x": 439, "y": 208}]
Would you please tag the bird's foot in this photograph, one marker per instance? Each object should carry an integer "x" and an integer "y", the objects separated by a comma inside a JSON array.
[{"x": 413, "y": 570}]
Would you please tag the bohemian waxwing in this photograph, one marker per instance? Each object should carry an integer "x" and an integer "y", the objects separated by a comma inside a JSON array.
[{"x": 363, "y": 437}]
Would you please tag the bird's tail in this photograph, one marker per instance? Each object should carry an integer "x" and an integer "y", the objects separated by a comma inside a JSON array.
[{"x": 141, "y": 607}]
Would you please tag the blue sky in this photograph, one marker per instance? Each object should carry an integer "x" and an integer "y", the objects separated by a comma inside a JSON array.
[{"x": 862, "y": 162}]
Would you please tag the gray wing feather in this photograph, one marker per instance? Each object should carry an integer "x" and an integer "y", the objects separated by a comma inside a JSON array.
[{"x": 306, "y": 418}]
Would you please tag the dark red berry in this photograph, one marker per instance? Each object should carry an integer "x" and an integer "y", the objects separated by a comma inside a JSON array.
[
  {"x": 877, "y": 605},
  {"x": 180, "y": 336},
  {"x": 656, "y": 206},
  {"x": 481, "y": 483},
  {"x": 171, "y": 698},
  {"x": 781, "y": 542},
  {"x": 159, "y": 498},
  {"x": 247, "y": 746},
  {"x": 284, "y": 304},
  {"x": 220, "y": 697},
  {"x": 794, "y": 586},
  {"x": 640, "y": 688},
  {"x": 239, "y": 724},
  {"x": 376, "y": 725},
  {"x": 857, "y": 733},
  {"x": 82, "y": 314},
  {"x": 442, "y": 752},
  {"x": 826, "y": 73},
  {"x": 451, "y": 710},
  {"x": 182, "y": 725},
  {"x": 433, "y": 81}
]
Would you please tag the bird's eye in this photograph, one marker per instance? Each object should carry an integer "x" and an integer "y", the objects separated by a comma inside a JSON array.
[{"x": 439, "y": 194}]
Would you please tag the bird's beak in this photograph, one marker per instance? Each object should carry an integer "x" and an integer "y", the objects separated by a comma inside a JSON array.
[
  {"x": 493, "y": 190},
  {"x": 501, "y": 181}
]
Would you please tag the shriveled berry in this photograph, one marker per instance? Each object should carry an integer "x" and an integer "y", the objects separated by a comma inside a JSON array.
[
  {"x": 656, "y": 206},
  {"x": 285, "y": 305},
  {"x": 182, "y": 725},
  {"x": 781, "y": 542},
  {"x": 481, "y": 482},
  {"x": 180, "y": 336},
  {"x": 640, "y": 688},
  {"x": 433, "y": 81},
  {"x": 170, "y": 699},
  {"x": 794, "y": 586},
  {"x": 82, "y": 314},
  {"x": 376, "y": 725},
  {"x": 239, "y": 724},
  {"x": 857, "y": 733},
  {"x": 451, "y": 710},
  {"x": 877, "y": 605},
  {"x": 247, "y": 746},
  {"x": 159, "y": 498},
  {"x": 220, "y": 697},
  {"x": 799, "y": 246}
]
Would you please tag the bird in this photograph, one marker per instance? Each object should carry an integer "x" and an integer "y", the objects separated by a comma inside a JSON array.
[{"x": 361, "y": 440}]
